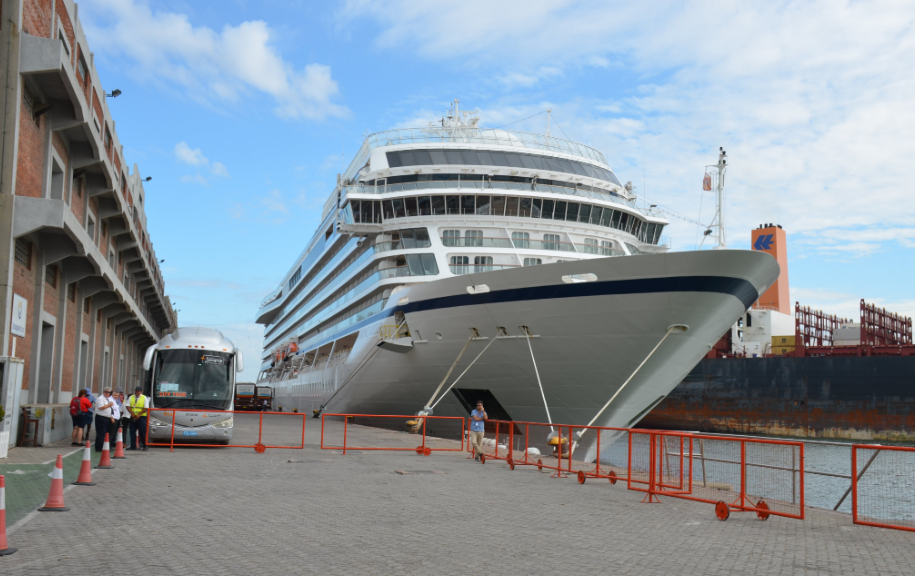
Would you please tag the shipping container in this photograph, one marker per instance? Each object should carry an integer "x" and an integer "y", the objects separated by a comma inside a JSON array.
[{"x": 783, "y": 341}]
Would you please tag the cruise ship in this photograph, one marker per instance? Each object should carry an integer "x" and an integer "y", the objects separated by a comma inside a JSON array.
[{"x": 456, "y": 263}]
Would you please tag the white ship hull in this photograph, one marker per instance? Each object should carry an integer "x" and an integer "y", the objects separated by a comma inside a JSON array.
[{"x": 589, "y": 338}]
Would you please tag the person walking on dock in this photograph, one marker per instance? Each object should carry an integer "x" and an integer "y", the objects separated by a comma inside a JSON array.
[
  {"x": 477, "y": 418},
  {"x": 103, "y": 417},
  {"x": 139, "y": 409}
]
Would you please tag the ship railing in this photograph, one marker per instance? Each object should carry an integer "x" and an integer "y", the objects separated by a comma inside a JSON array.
[
  {"x": 476, "y": 268},
  {"x": 393, "y": 331}
]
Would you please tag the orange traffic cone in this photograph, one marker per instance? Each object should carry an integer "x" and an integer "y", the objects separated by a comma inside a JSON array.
[
  {"x": 85, "y": 470},
  {"x": 119, "y": 447},
  {"x": 5, "y": 550},
  {"x": 55, "y": 502},
  {"x": 105, "y": 462}
]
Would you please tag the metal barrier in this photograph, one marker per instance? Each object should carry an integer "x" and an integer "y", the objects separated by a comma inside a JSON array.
[
  {"x": 735, "y": 474},
  {"x": 258, "y": 430},
  {"x": 423, "y": 435},
  {"x": 883, "y": 486}
]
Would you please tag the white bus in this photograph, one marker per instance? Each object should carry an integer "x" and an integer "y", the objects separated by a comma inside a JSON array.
[{"x": 193, "y": 370}]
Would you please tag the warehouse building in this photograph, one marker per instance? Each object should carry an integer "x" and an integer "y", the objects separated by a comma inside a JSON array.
[{"x": 81, "y": 292}]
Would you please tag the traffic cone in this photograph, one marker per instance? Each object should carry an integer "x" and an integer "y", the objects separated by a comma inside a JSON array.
[
  {"x": 85, "y": 470},
  {"x": 55, "y": 501},
  {"x": 5, "y": 549},
  {"x": 105, "y": 462},
  {"x": 119, "y": 447}
]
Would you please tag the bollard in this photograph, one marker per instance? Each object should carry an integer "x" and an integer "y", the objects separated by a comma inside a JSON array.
[{"x": 5, "y": 549}]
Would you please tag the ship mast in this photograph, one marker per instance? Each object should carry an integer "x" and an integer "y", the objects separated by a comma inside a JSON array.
[{"x": 718, "y": 222}]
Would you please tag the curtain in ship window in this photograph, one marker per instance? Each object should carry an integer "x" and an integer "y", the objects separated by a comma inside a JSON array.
[
  {"x": 473, "y": 238},
  {"x": 590, "y": 246},
  {"x": 521, "y": 239},
  {"x": 482, "y": 263},
  {"x": 551, "y": 241},
  {"x": 438, "y": 205},
  {"x": 451, "y": 237},
  {"x": 459, "y": 264},
  {"x": 606, "y": 247}
]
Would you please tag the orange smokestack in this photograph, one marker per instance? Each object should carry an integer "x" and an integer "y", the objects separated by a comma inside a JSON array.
[{"x": 771, "y": 239}]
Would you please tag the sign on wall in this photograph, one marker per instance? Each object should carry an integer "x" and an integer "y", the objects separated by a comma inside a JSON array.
[{"x": 20, "y": 313}]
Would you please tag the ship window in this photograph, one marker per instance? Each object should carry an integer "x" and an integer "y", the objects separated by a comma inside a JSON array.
[
  {"x": 454, "y": 156},
  {"x": 607, "y": 247},
  {"x": 483, "y": 205},
  {"x": 459, "y": 264},
  {"x": 367, "y": 211},
  {"x": 425, "y": 206},
  {"x": 415, "y": 265},
  {"x": 533, "y": 261},
  {"x": 484, "y": 157},
  {"x": 429, "y": 264},
  {"x": 422, "y": 157},
  {"x": 749, "y": 320},
  {"x": 437, "y": 156},
  {"x": 572, "y": 212},
  {"x": 407, "y": 158},
  {"x": 560, "y": 213},
  {"x": 470, "y": 157},
  {"x": 547, "y": 211},
  {"x": 388, "y": 210},
  {"x": 527, "y": 161},
  {"x": 521, "y": 239},
  {"x": 467, "y": 204},
  {"x": 536, "y": 207},
  {"x": 616, "y": 218},
  {"x": 498, "y": 205},
  {"x": 584, "y": 213},
  {"x": 438, "y": 205},
  {"x": 498, "y": 158},
  {"x": 454, "y": 204},
  {"x": 551, "y": 241},
  {"x": 596, "y": 215},
  {"x": 406, "y": 238},
  {"x": 482, "y": 263},
  {"x": 526, "y": 207},
  {"x": 590, "y": 246},
  {"x": 398, "y": 208},
  {"x": 649, "y": 234},
  {"x": 632, "y": 249},
  {"x": 451, "y": 237},
  {"x": 514, "y": 160},
  {"x": 511, "y": 206},
  {"x": 473, "y": 238},
  {"x": 421, "y": 236},
  {"x": 410, "y": 203}
]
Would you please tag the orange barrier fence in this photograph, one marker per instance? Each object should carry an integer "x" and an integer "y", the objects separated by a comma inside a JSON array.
[
  {"x": 585, "y": 451},
  {"x": 423, "y": 435},
  {"x": 883, "y": 486},
  {"x": 736, "y": 474},
  {"x": 183, "y": 427}
]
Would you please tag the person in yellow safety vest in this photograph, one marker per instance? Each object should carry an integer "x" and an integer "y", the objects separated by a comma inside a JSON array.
[{"x": 138, "y": 404}]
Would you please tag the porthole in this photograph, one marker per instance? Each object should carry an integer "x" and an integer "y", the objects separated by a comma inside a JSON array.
[{"x": 579, "y": 278}]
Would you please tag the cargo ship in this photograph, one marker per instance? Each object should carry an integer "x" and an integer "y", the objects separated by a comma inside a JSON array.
[{"x": 800, "y": 372}]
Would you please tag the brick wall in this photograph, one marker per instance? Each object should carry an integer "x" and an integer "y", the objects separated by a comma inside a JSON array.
[
  {"x": 36, "y": 18},
  {"x": 67, "y": 25},
  {"x": 24, "y": 285},
  {"x": 99, "y": 351},
  {"x": 78, "y": 200},
  {"x": 71, "y": 344},
  {"x": 30, "y": 160}
]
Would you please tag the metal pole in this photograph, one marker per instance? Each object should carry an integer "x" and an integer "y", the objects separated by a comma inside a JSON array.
[
  {"x": 863, "y": 470},
  {"x": 345, "y": 420},
  {"x": 702, "y": 458},
  {"x": 174, "y": 412}
]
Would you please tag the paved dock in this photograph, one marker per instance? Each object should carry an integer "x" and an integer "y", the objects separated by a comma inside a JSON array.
[{"x": 311, "y": 511}]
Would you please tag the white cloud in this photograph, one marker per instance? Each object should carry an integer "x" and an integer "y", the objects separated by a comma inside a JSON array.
[
  {"x": 811, "y": 99},
  {"x": 195, "y": 179},
  {"x": 207, "y": 65},
  {"x": 195, "y": 157}
]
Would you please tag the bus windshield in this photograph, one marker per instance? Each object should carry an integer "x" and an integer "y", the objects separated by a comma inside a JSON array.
[{"x": 192, "y": 379}]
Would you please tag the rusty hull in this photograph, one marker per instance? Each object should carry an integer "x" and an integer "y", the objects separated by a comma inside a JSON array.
[{"x": 854, "y": 398}]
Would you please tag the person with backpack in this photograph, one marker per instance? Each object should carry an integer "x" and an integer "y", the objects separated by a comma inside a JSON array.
[{"x": 79, "y": 411}]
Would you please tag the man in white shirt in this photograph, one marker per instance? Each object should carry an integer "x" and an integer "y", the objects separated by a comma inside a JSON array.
[
  {"x": 103, "y": 417},
  {"x": 116, "y": 410}
]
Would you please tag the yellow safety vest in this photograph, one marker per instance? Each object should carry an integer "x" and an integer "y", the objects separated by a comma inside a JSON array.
[{"x": 137, "y": 404}]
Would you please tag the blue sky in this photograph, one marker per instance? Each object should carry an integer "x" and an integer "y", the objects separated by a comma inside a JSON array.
[{"x": 244, "y": 112}]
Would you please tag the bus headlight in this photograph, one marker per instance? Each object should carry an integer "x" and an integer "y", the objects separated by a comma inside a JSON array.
[
  {"x": 227, "y": 423},
  {"x": 153, "y": 421}
]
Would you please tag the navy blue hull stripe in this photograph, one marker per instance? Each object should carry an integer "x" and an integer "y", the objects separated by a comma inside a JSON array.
[{"x": 737, "y": 287}]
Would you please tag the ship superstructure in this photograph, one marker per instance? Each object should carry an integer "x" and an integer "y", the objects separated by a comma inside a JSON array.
[{"x": 438, "y": 239}]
